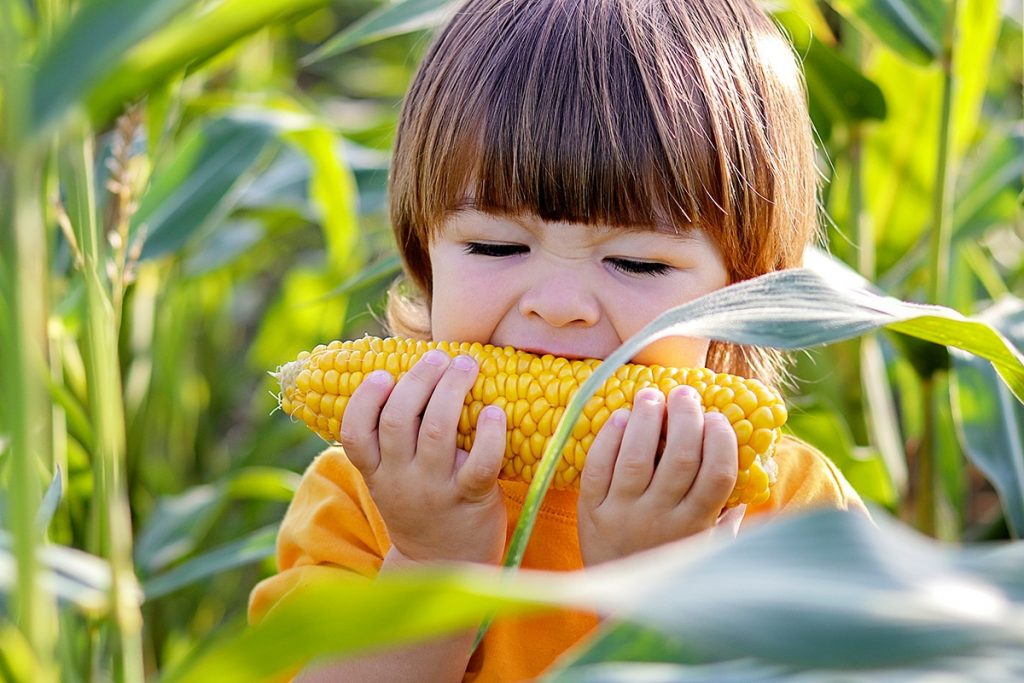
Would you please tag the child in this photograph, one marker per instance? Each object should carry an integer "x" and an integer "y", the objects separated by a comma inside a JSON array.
[{"x": 565, "y": 171}]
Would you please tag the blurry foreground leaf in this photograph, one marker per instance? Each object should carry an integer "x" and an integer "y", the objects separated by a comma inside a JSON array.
[{"x": 831, "y": 592}]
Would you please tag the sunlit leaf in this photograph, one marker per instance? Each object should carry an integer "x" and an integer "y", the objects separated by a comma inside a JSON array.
[
  {"x": 788, "y": 309},
  {"x": 390, "y": 20}
]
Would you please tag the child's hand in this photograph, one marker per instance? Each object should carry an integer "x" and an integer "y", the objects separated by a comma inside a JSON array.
[
  {"x": 627, "y": 504},
  {"x": 439, "y": 502}
]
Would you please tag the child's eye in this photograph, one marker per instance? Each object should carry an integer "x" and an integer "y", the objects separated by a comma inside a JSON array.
[
  {"x": 639, "y": 267},
  {"x": 498, "y": 250}
]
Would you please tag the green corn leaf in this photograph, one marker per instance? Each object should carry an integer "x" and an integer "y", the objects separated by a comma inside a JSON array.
[
  {"x": 790, "y": 309},
  {"x": 913, "y": 28},
  {"x": 831, "y": 592},
  {"x": 990, "y": 420},
  {"x": 338, "y": 613},
  {"x": 179, "y": 523},
  {"x": 389, "y": 20},
  {"x": 253, "y": 547},
  {"x": 198, "y": 184},
  {"x": 188, "y": 42},
  {"x": 98, "y": 35}
]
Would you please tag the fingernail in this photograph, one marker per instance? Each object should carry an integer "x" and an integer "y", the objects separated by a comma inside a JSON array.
[
  {"x": 688, "y": 391},
  {"x": 464, "y": 362},
  {"x": 435, "y": 357},
  {"x": 379, "y": 377},
  {"x": 493, "y": 413},
  {"x": 620, "y": 417},
  {"x": 650, "y": 395}
]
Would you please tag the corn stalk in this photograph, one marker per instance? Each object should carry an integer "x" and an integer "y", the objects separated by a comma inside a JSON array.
[
  {"x": 112, "y": 518},
  {"x": 23, "y": 295}
]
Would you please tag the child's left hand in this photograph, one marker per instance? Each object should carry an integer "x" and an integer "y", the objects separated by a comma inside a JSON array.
[{"x": 627, "y": 505}]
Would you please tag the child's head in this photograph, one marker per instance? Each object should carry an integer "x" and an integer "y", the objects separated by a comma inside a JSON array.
[{"x": 630, "y": 113}]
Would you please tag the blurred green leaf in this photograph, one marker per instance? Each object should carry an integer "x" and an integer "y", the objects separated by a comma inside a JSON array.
[
  {"x": 832, "y": 591},
  {"x": 913, "y": 28},
  {"x": 390, "y": 20},
  {"x": 837, "y": 91},
  {"x": 191, "y": 40},
  {"x": 73, "y": 576},
  {"x": 97, "y": 36},
  {"x": 621, "y": 642},
  {"x": 385, "y": 268},
  {"x": 18, "y": 663},
  {"x": 48, "y": 505},
  {"x": 178, "y": 523},
  {"x": 338, "y": 613},
  {"x": 991, "y": 422},
  {"x": 255, "y": 546},
  {"x": 825, "y": 428},
  {"x": 198, "y": 184}
]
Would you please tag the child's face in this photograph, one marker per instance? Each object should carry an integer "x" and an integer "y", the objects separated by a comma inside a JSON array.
[{"x": 570, "y": 290}]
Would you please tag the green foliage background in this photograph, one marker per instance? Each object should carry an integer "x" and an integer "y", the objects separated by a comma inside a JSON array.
[{"x": 192, "y": 192}]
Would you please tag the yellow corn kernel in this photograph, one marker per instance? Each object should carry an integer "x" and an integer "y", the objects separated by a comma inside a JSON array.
[{"x": 534, "y": 392}]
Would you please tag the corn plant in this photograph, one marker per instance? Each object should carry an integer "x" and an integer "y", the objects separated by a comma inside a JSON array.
[{"x": 192, "y": 192}]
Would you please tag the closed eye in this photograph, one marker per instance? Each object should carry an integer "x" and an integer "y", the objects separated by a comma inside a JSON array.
[
  {"x": 631, "y": 267},
  {"x": 496, "y": 250}
]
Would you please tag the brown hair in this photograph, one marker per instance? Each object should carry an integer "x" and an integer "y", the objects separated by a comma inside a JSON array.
[{"x": 622, "y": 112}]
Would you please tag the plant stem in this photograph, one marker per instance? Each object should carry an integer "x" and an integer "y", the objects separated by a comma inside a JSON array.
[
  {"x": 113, "y": 518},
  {"x": 23, "y": 337},
  {"x": 942, "y": 204}
]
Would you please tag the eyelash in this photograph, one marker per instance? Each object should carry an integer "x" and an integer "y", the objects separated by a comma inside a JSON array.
[{"x": 622, "y": 265}]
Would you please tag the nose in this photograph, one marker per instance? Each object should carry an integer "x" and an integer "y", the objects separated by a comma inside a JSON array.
[{"x": 560, "y": 299}]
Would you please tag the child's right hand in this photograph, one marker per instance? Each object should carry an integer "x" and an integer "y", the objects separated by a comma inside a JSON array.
[{"x": 439, "y": 502}]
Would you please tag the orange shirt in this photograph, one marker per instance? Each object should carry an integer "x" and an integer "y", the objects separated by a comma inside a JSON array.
[{"x": 332, "y": 523}]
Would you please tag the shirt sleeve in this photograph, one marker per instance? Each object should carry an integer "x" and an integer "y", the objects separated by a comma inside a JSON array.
[
  {"x": 331, "y": 523},
  {"x": 807, "y": 479}
]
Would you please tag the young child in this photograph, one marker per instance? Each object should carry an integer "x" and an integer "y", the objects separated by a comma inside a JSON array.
[{"x": 564, "y": 172}]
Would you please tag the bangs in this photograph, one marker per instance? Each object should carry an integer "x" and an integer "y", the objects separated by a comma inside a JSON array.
[{"x": 648, "y": 114}]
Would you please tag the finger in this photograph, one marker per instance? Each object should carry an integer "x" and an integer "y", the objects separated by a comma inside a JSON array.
[
  {"x": 634, "y": 465},
  {"x": 435, "y": 445},
  {"x": 719, "y": 464},
  {"x": 596, "y": 477},
  {"x": 359, "y": 435},
  {"x": 683, "y": 444},
  {"x": 400, "y": 417},
  {"x": 477, "y": 476},
  {"x": 728, "y": 524}
]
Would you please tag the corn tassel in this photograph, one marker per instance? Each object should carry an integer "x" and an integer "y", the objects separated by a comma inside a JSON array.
[{"x": 534, "y": 392}]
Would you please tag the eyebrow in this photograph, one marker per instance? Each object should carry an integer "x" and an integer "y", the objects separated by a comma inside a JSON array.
[{"x": 684, "y": 234}]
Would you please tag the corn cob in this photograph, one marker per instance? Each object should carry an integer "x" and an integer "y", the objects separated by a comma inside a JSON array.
[{"x": 534, "y": 392}]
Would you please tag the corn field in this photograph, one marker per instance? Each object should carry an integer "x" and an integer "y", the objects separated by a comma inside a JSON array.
[{"x": 193, "y": 191}]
